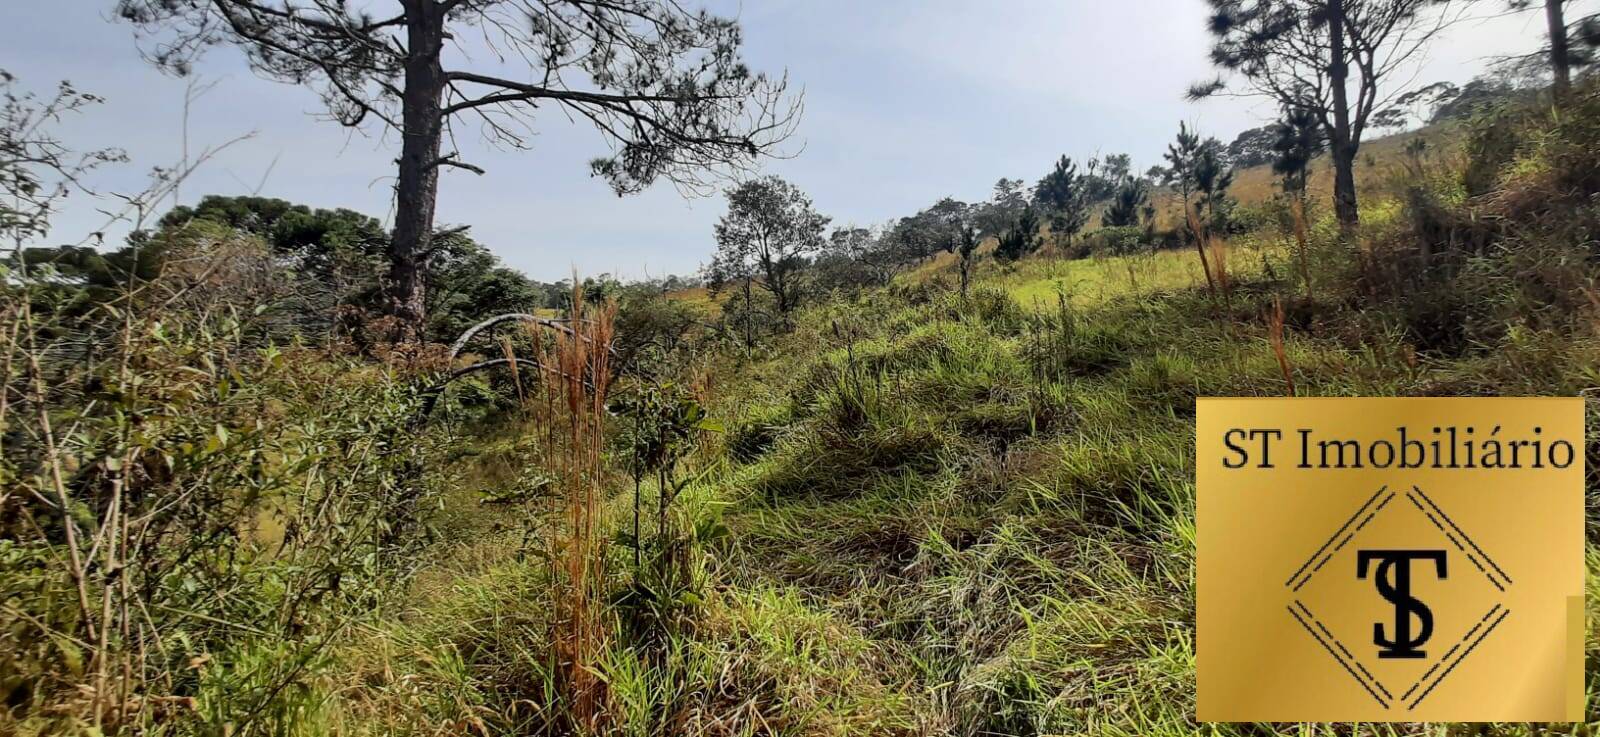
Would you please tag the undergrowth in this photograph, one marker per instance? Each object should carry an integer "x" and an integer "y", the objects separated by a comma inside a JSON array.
[{"x": 916, "y": 512}]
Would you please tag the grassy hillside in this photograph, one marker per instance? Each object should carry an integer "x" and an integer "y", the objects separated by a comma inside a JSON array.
[
  {"x": 941, "y": 516},
  {"x": 1377, "y": 166},
  {"x": 906, "y": 511},
  {"x": 932, "y": 514}
]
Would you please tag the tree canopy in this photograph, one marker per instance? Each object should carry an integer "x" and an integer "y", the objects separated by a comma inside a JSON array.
[
  {"x": 768, "y": 232},
  {"x": 663, "y": 84},
  {"x": 1065, "y": 196},
  {"x": 1301, "y": 53}
]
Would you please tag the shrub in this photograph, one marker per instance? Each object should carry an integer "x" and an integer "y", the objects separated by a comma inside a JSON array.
[
  {"x": 998, "y": 309},
  {"x": 1493, "y": 243},
  {"x": 193, "y": 507},
  {"x": 1252, "y": 218},
  {"x": 1493, "y": 139},
  {"x": 652, "y": 323},
  {"x": 1118, "y": 241}
]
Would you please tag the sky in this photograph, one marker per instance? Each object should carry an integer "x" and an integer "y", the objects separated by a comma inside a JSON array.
[{"x": 904, "y": 103}]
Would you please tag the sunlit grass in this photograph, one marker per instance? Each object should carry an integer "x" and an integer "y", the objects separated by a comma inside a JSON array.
[
  {"x": 962, "y": 515},
  {"x": 1091, "y": 282}
]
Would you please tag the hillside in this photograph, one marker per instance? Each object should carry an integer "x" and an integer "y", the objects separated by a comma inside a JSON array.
[
  {"x": 275, "y": 469},
  {"x": 931, "y": 514},
  {"x": 1378, "y": 164}
]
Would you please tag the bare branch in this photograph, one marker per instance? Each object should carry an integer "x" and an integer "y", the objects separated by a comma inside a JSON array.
[{"x": 545, "y": 322}]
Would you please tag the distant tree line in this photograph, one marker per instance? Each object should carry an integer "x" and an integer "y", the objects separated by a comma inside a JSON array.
[
  {"x": 337, "y": 261},
  {"x": 774, "y": 249}
]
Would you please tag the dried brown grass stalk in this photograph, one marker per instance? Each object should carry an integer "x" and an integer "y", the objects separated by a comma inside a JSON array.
[
  {"x": 1297, "y": 211},
  {"x": 1200, "y": 238},
  {"x": 1275, "y": 334},
  {"x": 583, "y": 359},
  {"x": 1219, "y": 263},
  {"x": 516, "y": 373}
]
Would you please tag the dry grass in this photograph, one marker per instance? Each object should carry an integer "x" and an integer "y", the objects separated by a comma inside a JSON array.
[
  {"x": 1259, "y": 184},
  {"x": 699, "y": 298},
  {"x": 1275, "y": 336},
  {"x": 580, "y": 383}
]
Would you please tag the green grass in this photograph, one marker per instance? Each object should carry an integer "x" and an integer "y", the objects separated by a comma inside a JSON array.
[
  {"x": 1031, "y": 572},
  {"x": 967, "y": 516},
  {"x": 1095, "y": 281}
]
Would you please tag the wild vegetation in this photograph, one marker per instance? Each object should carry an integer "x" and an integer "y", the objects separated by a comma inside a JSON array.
[{"x": 932, "y": 477}]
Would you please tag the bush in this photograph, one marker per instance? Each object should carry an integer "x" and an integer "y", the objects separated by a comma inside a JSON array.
[
  {"x": 996, "y": 307},
  {"x": 653, "y": 324},
  {"x": 1498, "y": 241},
  {"x": 1119, "y": 241},
  {"x": 218, "y": 507},
  {"x": 1253, "y": 218},
  {"x": 1492, "y": 142}
]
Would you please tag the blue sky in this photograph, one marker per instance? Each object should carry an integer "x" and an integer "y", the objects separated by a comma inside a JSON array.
[{"x": 905, "y": 102}]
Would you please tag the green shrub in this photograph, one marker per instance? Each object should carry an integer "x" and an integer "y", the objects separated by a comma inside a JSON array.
[
  {"x": 238, "y": 503},
  {"x": 997, "y": 309},
  {"x": 1118, "y": 241},
  {"x": 1494, "y": 138}
]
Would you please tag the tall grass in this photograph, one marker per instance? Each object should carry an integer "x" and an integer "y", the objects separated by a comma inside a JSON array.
[
  {"x": 582, "y": 358},
  {"x": 190, "y": 516},
  {"x": 935, "y": 515},
  {"x": 1275, "y": 336}
]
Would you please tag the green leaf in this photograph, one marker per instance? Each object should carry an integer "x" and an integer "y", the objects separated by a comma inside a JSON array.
[
  {"x": 71, "y": 655},
  {"x": 710, "y": 424}
]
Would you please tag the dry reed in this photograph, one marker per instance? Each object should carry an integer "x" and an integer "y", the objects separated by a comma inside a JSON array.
[
  {"x": 582, "y": 360},
  {"x": 1297, "y": 212},
  {"x": 1275, "y": 335}
]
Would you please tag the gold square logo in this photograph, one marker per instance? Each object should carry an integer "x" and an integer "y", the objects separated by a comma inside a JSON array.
[{"x": 1401, "y": 560}]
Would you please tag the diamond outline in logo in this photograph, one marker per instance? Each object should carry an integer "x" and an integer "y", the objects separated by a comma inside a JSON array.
[{"x": 1341, "y": 654}]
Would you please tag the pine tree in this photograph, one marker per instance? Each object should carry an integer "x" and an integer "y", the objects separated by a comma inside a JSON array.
[
  {"x": 1127, "y": 205},
  {"x": 1305, "y": 54},
  {"x": 1297, "y": 139},
  {"x": 662, "y": 83},
  {"x": 1021, "y": 239},
  {"x": 1063, "y": 195}
]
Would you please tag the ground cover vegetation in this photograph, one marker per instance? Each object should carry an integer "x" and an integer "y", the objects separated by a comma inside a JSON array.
[{"x": 928, "y": 477}]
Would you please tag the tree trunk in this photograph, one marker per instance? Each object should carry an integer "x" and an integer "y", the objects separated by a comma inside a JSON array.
[
  {"x": 777, "y": 284},
  {"x": 1560, "y": 61},
  {"x": 1198, "y": 234},
  {"x": 417, "y": 188},
  {"x": 780, "y": 291},
  {"x": 1345, "y": 205},
  {"x": 749, "y": 306},
  {"x": 1343, "y": 144}
]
